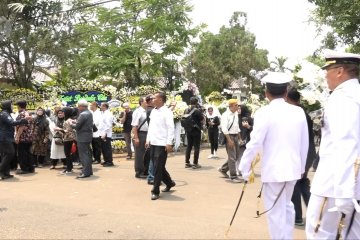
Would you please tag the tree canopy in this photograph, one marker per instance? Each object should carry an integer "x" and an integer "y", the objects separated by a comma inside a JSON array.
[
  {"x": 219, "y": 59},
  {"x": 344, "y": 19}
]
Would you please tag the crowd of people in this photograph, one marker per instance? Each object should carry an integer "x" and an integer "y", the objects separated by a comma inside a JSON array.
[{"x": 281, "y": 132}]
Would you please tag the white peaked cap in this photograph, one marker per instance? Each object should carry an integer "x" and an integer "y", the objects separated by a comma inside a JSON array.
[
  {"x": 276, "y": 78},
  {"x": 336, "y": 57}
]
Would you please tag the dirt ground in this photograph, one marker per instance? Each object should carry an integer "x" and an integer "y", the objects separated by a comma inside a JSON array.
[{"x": 113, "y": 204}]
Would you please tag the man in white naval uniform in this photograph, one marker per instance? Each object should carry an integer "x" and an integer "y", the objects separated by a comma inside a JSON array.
[
  {"x": 280, "y": 133},
  {"x": 335, "y": 185}
]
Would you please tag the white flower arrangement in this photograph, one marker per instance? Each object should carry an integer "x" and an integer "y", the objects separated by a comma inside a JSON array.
[
  {"x": 313, "y": 87},
  {"x": 186, "y": 85}
]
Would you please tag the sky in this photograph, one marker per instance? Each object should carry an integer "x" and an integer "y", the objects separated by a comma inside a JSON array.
[{"x": 280, "y": 26}]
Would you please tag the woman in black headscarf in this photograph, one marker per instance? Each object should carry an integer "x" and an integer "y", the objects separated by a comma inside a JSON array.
[{"x": 40, "y": 135}]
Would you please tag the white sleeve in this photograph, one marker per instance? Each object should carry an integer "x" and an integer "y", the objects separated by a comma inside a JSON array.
[
  {"x": 170, "y": 127},
  {"x": 304, "y": 143}
]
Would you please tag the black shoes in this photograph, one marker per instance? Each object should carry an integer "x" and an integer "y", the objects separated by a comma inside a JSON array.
[
  {"x": 167, "y": 188},
  {"x": 3, "y": 177},
  {"x": 154, "y": 196},
  {"x": 196, "y": 166},
  {"x": 108, "y": 165},
  {"x": 188, "y": 165},
  {"x": 151, "y": 182},
  {"x": 24, "y": 172},
  {"x": 83, "y": 176},
  {"x": 138, "y": 175}
]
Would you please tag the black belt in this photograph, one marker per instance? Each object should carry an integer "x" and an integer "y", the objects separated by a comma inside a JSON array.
[{"x": 143, "y": 131}]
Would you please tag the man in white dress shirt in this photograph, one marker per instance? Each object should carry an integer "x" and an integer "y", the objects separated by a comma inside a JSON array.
[
  {"x": 160, "y": 138},
  {"x": 105, "y": 132},
  {"x": 140, "y": 128},
  {"x": 96, "y": 144},
  {"x": 280, "y": 133},
  {"x": 335, "y": 189}
]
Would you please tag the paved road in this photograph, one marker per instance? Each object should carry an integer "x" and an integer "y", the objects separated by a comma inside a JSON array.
[{"x": 113, "y": 204}]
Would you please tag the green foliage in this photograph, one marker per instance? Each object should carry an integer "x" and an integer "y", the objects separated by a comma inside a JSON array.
[
  {"x": 15, "y": 95},
  {"x": 136, "y": 42},
  {"x": 343, "y": 17},
  {"x": 215, "y": 96},
  {"x": 218, "y": 59},
  {"x": 34, "y": 32}
]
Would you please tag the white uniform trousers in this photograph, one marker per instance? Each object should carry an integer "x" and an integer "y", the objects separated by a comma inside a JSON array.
[
  {"x": 329, "y": 221},
  {"x": 281, "y": 218}
]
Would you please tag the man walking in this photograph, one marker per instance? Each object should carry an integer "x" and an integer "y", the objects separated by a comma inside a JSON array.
[
  {"x": 231, "y": 130},
  {"x": 140, "y": 129},
  {"x": 280, "y": 133},
  {"x": 335, "y": 189},
  {"x": 84, "y": 130},
  {"x": 159, "y": 138}
]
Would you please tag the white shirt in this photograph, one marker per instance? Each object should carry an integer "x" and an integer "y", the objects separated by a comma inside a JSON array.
[
  {"x": 228, "y": 118},
  {"x": 280, "y": 132},
  {"x": 161, "y": 127},
  {"x": 139, "y": 117},
  {"x": 340, "y": 144},
  {"x": 96, "y": 118},
  {"x": 105, "y": 124}
]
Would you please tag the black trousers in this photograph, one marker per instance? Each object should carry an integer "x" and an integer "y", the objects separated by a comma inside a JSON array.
[
  {"x": 14, "y": 161},
  {"x": 194, "y": 138},
  {"x": 25, "y": 157},
  {"x": 214, "y": 139},
  {"x": 140, "y": 151},
  {"x": 302, "y": 188},
  {"x": 68, "y": 155},
  {"x": 96, "y": 149},
  {"x": 159, "y": 156},
  {"x": 7, "y": 154},
  {"x": 107, "y": 150}
]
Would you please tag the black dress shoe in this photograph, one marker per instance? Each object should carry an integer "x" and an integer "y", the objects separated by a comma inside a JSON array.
[
  {"x": 22, "y": 172},
  {"x": 154, "y": 196},
  {"x": 138, "y": 175},
  {"x": 151, "y": 182},
  {"x": 108, "y": 165},
  {"x": 83, "y": 176},
  {"x": 3, "y": 177},
  {"x": 167, "y": 189}
]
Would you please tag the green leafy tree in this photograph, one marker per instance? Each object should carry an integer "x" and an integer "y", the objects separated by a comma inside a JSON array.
[
  {"x": 344, "y": 19},
  {"x": 34, "y": 33},
  {"x": 278, "y": 65},
  {"x": 138, "y": 42},
  {"x": 218, "y": 59}
]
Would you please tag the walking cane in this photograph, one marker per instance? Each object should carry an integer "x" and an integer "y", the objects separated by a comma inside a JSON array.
[{"x": 232, "y": 219}]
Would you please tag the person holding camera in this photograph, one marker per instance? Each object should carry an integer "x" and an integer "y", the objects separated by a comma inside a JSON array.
[
  {"x": 126, "y": 119},
  {"x": 194, "y": 134},
  {"x": 212, "y": 124}
]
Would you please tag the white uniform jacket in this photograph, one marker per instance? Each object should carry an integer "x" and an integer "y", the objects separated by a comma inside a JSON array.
[
  {"x": 340, "y": 144},
  {"x": 96, "y": 118},
  {"x": 280, "y": 132},
  {"x": 105, "y": 124}
]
